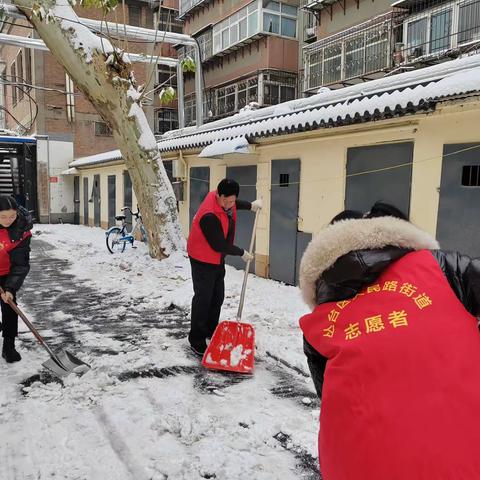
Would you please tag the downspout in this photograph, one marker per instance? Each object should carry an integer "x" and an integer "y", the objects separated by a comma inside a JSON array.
[{"x": 181, "y": 97}]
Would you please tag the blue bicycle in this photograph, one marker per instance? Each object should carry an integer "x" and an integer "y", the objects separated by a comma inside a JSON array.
[{"x": 117, "y": 238}]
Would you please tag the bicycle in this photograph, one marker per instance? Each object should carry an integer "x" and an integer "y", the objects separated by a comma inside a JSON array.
[{"x": 118, "y": 237}]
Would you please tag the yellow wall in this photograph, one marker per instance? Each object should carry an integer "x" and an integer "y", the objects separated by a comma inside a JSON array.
[
  {"x": 104, "y": 172},
  {"x": 323, "y": 156}
]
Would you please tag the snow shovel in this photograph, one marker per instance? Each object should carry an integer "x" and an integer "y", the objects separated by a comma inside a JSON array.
[
  {"x": 232, "y": 347},
  {"x": 61, "y": 364}
]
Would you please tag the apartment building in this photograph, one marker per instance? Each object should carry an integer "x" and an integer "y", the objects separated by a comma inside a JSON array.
[
  {"x": 39, "y": 99},
  {"x": 59, "y": 108},
  {"x": 355, "y": 41},
  {"x": 249, "y": 51}
]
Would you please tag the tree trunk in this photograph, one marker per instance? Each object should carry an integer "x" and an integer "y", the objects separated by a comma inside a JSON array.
[{"x": 110, "y": 87}]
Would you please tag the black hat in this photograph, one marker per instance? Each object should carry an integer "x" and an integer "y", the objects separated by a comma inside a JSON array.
[{"x": 228, "y": 187}]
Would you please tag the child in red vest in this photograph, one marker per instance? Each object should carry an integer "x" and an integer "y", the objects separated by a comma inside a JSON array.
[
  {"x": 394, "y": 350},
  {"x": 15, "y": 235}
]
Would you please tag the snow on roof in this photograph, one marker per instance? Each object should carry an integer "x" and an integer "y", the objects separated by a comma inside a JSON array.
[
  {"x": 406, "y": 93},
  {"x": 220, "y": 148},
  {"x": 98, "y": 158}
]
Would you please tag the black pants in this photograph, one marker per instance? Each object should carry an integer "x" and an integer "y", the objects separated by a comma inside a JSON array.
[
  {"x": 9, "y": 319},
  {"x": 209, "y": 292}
]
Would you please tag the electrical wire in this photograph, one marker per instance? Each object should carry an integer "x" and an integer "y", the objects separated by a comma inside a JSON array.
[{"x": 366, "y": 172}]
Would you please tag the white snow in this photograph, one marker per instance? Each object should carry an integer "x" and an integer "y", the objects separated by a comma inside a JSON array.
[
  {"x": 96, "y": 427},
  {"x": 225, "y": 147},
  {"x": 97, "y": 158},
  {"x": 81, "y": 37}
]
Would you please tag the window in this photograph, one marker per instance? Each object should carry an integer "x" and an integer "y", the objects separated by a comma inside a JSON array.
[
  {"x": 280, "y": 18},
  {"x": 166, "y": 119},
  {"x": 278, "y": 87},
  {"x": 440, "y": 31},
  {"x": 417, "y": 37},
  {"x": 20, "y": 74},
  {"x": 102, "y": 129},
  {"x": 134, "y": 15},
  {"x": 70, "y": 90},
  {"x": 349, "y": 54},
  {"x": 471, "y": 176},
  {"x": 469, "y": 21},
  {"x": 166, "y": 76},
  {"x": 13, "y": 80},
  {"x": 332, "y": 63},
  {"x": 28, "y": 67},
  {"x": 167, "y": 21},
  {"x": 236, "y": 28}
]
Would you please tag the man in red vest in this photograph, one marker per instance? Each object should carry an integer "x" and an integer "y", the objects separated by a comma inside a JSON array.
[{"x": 211, "y": 238}]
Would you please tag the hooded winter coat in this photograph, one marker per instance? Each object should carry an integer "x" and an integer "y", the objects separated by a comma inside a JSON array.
[{"x": 393, "y": 347}]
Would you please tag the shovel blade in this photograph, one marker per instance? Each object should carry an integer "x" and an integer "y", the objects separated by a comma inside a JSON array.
[
  {"x": 231, "y": 348},
  {"x": 65, "y": 363}
]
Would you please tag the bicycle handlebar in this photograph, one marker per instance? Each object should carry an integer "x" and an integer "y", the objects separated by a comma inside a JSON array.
[{"x": 136, "y": 215}]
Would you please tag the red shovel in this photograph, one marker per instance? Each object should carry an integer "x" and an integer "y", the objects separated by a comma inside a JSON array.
[{"x": 232, "y": 346}]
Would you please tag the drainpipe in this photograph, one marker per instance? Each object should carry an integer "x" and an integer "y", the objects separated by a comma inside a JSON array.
[
  {"x": 198, "y": 85},
  {"x": 47, "y": 138},
  {"x": 181, "y": 97}
]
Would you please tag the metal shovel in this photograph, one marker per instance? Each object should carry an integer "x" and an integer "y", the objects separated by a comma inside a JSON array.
[{"x": 61, "y": 364}]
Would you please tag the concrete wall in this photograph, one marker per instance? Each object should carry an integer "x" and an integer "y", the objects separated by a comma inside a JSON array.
[{"x": 353, "y": 14}]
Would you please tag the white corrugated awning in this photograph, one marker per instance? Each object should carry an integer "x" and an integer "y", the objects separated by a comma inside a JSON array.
[
  {"x": 219, "y": 148},
  {"x": 71, "y": 171}
]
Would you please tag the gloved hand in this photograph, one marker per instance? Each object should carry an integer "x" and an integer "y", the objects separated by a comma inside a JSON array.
[
  {"x": 257, "y": 205},
  {"x": 247, "y": 256}
]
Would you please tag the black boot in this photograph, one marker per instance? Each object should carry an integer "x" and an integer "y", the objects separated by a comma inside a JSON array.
[{"x": 8, "y": 351}]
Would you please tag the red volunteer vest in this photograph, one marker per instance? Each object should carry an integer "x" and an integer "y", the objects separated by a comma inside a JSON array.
[
  {"x": 197, "y": 245},
  {"x": 6, "y": 246},
  {"x": 401, "y": 394}
]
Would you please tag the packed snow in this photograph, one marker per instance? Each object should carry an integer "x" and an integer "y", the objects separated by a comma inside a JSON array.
[{"x": 147, "y": 409}]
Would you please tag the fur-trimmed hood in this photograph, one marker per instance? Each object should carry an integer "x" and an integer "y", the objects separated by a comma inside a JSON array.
[{"x": 347, "y": 236}]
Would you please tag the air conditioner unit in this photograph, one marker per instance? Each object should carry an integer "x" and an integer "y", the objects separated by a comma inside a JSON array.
[
  {"x": 310, "y": 31},
  {"x": 178, "y": 169}
]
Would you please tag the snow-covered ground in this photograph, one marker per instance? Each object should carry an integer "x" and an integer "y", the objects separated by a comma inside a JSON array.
[{"x": 147, "y": 410}]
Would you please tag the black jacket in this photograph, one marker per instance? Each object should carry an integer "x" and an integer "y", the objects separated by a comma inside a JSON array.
[
  {"x": 20, "y": 255},
  {"x": 212, "y": 229},
  {"x": 353, "y": 271}
]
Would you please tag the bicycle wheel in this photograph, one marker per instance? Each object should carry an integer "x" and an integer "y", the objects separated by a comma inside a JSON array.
[
  {"x": 143, "y": 233},
  {"x": 113, "y": 241}
]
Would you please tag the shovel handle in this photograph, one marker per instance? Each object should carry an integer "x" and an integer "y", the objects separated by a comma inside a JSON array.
[
  {"x": 29, "y": 324},
  {"x": 247, "y": 268}
]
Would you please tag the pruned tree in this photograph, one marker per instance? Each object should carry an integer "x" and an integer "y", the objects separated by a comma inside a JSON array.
[{"x": 104, "y": 74}]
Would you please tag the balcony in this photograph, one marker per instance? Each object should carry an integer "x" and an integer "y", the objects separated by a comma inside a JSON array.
[
  {"x": 361, "y": 53},
  {"x": 316, "y": 5},
  {"x": 435, "y": 34},
  {"x": 188, "y": 6}
]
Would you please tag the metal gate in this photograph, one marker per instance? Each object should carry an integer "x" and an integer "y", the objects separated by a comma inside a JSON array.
[
  {"x": 247, "y": 178},
  {"x": 85, "y": 201},
  {"x": 390, "y": 178},
  {"x": 284, "y": 220},
  {"x": 112, "y": 204},
  {"x": 458, "y": 226},
  {"x": 76, "y": 200},
  {"x": 199, "y": 187},
  {"x": 96, "y": 200}
]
